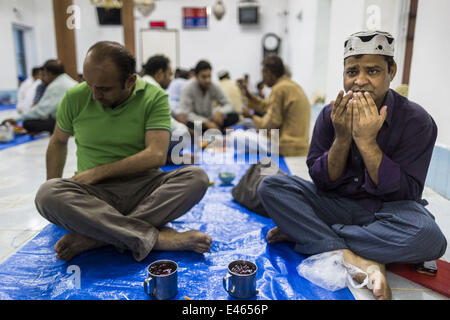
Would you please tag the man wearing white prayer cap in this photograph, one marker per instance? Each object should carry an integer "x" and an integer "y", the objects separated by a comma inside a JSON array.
[{"x": 368, "y": 160}]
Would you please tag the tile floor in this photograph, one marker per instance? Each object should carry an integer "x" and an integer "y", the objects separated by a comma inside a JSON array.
[{"x": 22, "y": 170}]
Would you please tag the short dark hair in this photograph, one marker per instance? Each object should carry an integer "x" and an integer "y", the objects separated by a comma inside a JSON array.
[
  {"x": 183, "y": 74},
  {"x": 121, "y": 57},
  {"x": 274, "y": 64},
  {"x": 35, "y": 71},
  {"x": 202, "y": 65},
  {"x": 156, "y": 63},
  {"x": 53, "y": 66},
  {"x": 260, "y": 84},
  {"x": 389, "y": 60}
]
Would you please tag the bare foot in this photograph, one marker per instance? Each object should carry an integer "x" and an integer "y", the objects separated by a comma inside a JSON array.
[
  {"x": 193, "y": 240},
  {"x": 378, "y": 283},
  {"x": 275, "y": 235},
  {"x": 376, "y": 273},
  {"x": 72, "y": 244}
]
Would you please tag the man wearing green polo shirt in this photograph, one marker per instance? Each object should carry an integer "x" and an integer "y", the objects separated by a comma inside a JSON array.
[{"x": 118, "y": 196}]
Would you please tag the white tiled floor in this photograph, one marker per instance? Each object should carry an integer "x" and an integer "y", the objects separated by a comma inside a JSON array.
[{"x": 22, "y": 170}]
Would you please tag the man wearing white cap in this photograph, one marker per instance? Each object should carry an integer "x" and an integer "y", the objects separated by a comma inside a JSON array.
[{"x": 368, "y": 159}]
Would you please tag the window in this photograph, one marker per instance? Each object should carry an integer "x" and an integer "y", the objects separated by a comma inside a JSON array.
[{"x": 20, "y": 52}]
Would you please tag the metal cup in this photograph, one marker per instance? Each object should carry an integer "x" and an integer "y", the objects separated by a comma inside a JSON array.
[
  {"x": 242, "y": 286},
  {"x": 161, "y": 287}
]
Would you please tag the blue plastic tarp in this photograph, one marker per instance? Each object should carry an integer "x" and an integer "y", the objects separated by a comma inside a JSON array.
[
  {"x": 34, "y": 273},
  {"x": 6, "y": 107},
  {"x": 21, "y": 139}
]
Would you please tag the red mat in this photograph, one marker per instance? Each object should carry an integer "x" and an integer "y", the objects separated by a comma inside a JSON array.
[{"x": 439, "y": 283}]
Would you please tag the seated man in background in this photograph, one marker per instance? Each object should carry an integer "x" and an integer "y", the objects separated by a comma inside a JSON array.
[
  {"x": 119, "y": 196},
  {"x": 368, "y": 159},
  {"x": 175, "y": 88},
  {"x": 231, "y": 90},
  {"x": 196, "y": 102},
  {"x": 42, "y": 116},
  {"x": 158, "y": 72},
  {"x": 27, "y": 91},
  {"x": 287, "y": 109}
]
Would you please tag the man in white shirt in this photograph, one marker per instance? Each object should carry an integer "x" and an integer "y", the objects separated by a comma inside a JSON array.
[
  {"x": 158, "y": 72},
  {"x": 175, "y": 88},
  {"x": 27, "y": 91},
  {"x": 42, "y": 116}
]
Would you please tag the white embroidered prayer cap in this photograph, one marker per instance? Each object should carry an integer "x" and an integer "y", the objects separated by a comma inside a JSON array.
[
  {"x": 369, "y": 42},
  {"x": 222, "y": 73}
]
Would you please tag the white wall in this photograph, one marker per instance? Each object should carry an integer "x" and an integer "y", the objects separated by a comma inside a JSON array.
[
  {"x": 45, "y": 30},
  {"x": 91, "y": 32},
  {"x": 226, "y": 44},
  {"x": 308, "y": 43},
  {"x": 36, "y": 16},
  {"x": 301, "y": 47},
  {"x": 430, "y": 70}
]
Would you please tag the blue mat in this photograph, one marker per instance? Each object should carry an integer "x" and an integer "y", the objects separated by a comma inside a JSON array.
[
  {"x": 34, "y": 272},
  {"x": 4, "y": 107},
  {"x": 21, "y": 139}
]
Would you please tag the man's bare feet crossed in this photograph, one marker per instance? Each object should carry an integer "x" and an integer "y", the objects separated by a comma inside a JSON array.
[
  {"x": 375, "y": 271},
  {"x": 73, "y": 244}
]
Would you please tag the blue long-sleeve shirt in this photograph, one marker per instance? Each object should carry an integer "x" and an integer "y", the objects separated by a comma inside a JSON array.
[{"x": 406, "y": 139}]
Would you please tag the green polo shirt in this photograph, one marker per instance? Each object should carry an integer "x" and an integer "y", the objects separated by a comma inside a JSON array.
[{"x": 104, "y": 135}]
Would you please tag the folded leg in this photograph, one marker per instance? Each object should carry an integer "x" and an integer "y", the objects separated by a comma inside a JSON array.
[{"x": 98, "y": 212}]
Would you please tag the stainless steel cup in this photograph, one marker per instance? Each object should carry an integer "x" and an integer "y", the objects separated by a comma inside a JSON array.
[
  {"x": 162, "y": 287},
  {"x": 242, "y": 286}
]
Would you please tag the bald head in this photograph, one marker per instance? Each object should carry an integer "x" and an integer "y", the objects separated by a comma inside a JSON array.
[
  {"x": 109, "y": 71},
  {"x": 115, "y": 54}
]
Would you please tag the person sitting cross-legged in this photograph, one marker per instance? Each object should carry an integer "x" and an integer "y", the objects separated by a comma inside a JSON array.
[
  {"x": 368, "y": 159},
  {"x": 119, "y": 195},
  {"x": 204, "y": 102}
]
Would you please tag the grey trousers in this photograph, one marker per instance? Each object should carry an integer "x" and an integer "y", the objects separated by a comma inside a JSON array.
[
  {"x": 123, "y": 212},
  {"x": 402, "y": 231}
]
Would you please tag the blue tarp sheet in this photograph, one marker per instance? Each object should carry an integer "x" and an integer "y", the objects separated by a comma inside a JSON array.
[
  {"x": 34, "y": 273},
  {"x": 4, "y": 107},
  {"x": 20, "y": 139}
]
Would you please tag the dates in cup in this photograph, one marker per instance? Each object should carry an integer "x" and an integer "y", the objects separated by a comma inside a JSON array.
[
  {"x": 162, "y": 280},
  {"x": 242, "y": 268},
  {"x": 240, "y": 281},
  {"x": 162, "y": 268}
]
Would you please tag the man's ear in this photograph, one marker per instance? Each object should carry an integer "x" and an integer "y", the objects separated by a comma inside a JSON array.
[
  {"x": 131, "y": 81},
  {"x": 393, "y": 71}
]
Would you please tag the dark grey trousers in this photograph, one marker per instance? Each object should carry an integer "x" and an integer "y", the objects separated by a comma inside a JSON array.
[
  {"x": 402, "y": 231},
  {"x": 123, "y": 212}
]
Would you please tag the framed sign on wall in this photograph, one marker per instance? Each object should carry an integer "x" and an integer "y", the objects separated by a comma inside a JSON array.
[{"x": 195, "y": 17}]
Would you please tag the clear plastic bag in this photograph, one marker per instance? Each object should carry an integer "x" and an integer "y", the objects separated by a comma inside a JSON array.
[{"x": 329, "y": 271}]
